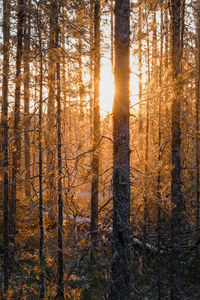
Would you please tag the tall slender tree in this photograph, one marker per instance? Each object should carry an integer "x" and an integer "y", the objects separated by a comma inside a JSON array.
[
  {"x": 40, "y": 157},
  {"x": 120, "y": 264},
  {"x": 197, "y": 111},
  {"x": 96, "y": 129},
  {"x": 159, "y": 155},
  {"x": 140, "y": 71},
  {"x": 176, "y": 197},
  {"x": 59, "y": 154},
  {"x": 6, "y": 52},
  {"x": 26, "y": 53},
  {"x": 91, "y": 68},
  {"x": 50, "y": 134},
  {"x": 17, "y": 125},
  {"x": 112, "y": 35}
]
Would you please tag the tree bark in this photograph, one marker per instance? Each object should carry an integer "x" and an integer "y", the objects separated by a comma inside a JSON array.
[
  {"x": 91, "y": 68},
  {"x": 197, "y": 113},
  {"x": 96, "y": 130},
  {"x": 176, "y": 197},
  {"x": 120, "y": 264},
  {"x": 112, "y": 36},
  {"x": 159, "y": 284},
  {"x": 27, "y": 35},
  {"x": 6, "y": 54},
  {"x": 50, "y": 134},
  {"x": 40, "y": 158},
  {"x": 59, "y": 154},
  {"x": 17, "y": 127},
  {"x": 140, "y": 126}
]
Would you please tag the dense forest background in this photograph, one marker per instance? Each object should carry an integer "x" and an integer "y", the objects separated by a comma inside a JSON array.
[{"x": 100, "y": 203}]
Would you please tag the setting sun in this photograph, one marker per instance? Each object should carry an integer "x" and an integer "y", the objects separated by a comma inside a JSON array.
[{"x": 106, "y": 88}]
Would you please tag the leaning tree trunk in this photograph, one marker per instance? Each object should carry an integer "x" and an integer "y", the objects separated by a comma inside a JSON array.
[
  {"x": 6, "y": 51},
  {"x": 96, "y": 130},
  {"x": 175, "y": 267},
  {"x": 120, "y": 264},
  {"x": 17, "y": 137}
]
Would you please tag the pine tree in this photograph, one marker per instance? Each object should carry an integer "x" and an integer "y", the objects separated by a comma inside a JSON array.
[
  {"x": 6, "y": 55},
  {"x": 120, "y": 264},
  {"x": 176, "y": 196}
]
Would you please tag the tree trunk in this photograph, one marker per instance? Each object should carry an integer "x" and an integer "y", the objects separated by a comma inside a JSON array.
[
  {"x": 40, "y": 158},
  {"x": 166, "y": 36},
  {"x": 59, "y": 153},
  {"x": 197, "y": 113},
  {"x": 175, "y": 268},
  {"x": 80, "y": 71},
  {"x": 96, "y": 130},
  {"x": 159, "y": 284},
  {"x": 50, "y": 134},
  {"x": 140, "y": 75},
  {"x": 91, "y": 68},
  {"x": 145, "y": 215},
  {"x": 112, "y": 36},
  {"x": 120, "y": 264},
  {"x": 6, "y": 52},
  {"x": 17, "y": 127},
  {"x": 27, "y": 33}
]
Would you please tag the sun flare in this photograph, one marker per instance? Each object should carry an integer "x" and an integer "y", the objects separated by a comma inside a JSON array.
[{"x": 106, "y": 89}]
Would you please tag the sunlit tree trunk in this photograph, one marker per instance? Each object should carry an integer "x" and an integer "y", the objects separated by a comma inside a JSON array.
[
  {"x": 182, "y": 25},
  {"x": 120, "y": 264},
  {"x": 80, "y": 76},
  {"x": 197, "y": 112},
  {"x": 6, "y": 52},
  {"x": 59, "y": 155},
  {"x": 154, "y": 68},
  {"x": 140, "y": 74},
  {"x": 50, "y": 133},
  {"x": 166, "y": 22},
  {"x": 96, "y": 130},
  {"x": 27, "y": 33},
  {"x": 91, "y": 67},
  {"x": 17, "y": 127},
  {"x": 175, "y": 267},
  {"x": 159, "y": 285},
  {"x": 145, "y": 214},
  {"x": 34, "y": 125},
  {"x": 112, "y": 36}
]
